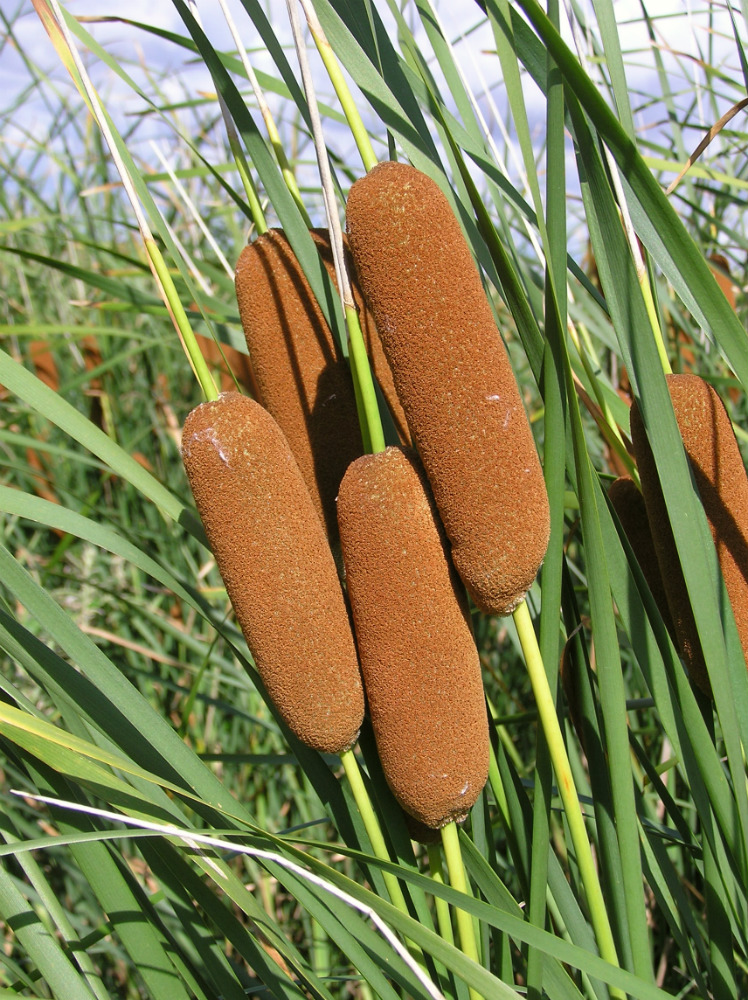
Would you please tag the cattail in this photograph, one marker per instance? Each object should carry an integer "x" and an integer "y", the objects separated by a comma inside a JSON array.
[
  {"x": 720, "y": 476},
  {"x": 419, "y": 832},
  {"x": 280, "y": 576},
  {"x": 303, "y": 379},
  {"x": 628, "y": 503},
  {"x": 420, "y": 665},
  {"x": 453, "y": 377}
]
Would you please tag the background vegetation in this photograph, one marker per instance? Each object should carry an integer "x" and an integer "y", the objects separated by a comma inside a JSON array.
[{"x": 128, "y": 694}]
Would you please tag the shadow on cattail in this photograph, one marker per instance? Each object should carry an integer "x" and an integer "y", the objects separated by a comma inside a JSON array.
[
  {"x": 721, "y": 480},
  {"x": 303, "y": 378},
  {"x": 628, "y": 502}
]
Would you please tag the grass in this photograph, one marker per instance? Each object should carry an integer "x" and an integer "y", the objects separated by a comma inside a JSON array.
[{"x": 171, "y": 839}]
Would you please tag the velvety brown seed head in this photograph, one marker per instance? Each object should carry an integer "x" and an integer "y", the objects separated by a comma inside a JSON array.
[
  {"x": 302, "y": 378},
  {"x": 279, "y": 572},
  {"x": 720, "y": 476},
  {"x": 454, "y": 379},
  {"x": 628, "y": 503},
  {"x": 420, "y": 665},
  {"x": 421, "y": 833}
]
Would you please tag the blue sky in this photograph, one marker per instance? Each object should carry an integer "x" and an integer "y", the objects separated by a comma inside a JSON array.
[{"x": 681, "y": 23}]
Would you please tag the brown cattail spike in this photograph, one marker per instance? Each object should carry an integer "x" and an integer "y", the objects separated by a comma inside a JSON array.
[
  {"x": 720, "y": 476},
  {"x": 421, "y": 833},
  {"x": 303, "y": 379},
  {"x": 279, "y": 572},
  {"x": 454, "y": 379},
  {"x": 420, "y": 665}
]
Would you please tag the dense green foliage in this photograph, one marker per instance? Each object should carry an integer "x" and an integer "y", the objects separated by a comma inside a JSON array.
[{"x": 127, "y": 688}]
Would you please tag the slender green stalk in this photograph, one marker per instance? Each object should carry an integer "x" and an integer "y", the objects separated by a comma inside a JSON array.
[
  {"x": 505, "y": 738},
  {"x": 458, "y": 880},
  {"x": 366, "y": 401},
  {"x": 363, "y": 381},
  {"x": 181, "y": 323},
  {"x": 497, "y": 787},
  {"x": 649, "y": 302},
  {"x": 350, "y": 110},
  {"x": 443, "y": 919},
  {"x": 234, "y": 144},
  {"x": 374, "y": 832},
  {"x": 156, "y": 260},
  {"x": 273, "y": 134},
  {"x": 609, "y": 428},
  {"x": 258, "y": 216},
  {"x": 566, "y": 787},
  {"x": 288, "y": 175}
]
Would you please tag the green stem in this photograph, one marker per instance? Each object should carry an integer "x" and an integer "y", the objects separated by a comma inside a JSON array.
[
  {"x": 506, "y": 740},
  {"x": 497, "y": 787},
  {"x": 442, "y": 906},
  {"x": 182, "y": 324},
  {"x": 366, "y": 400},
  {"x": 639, "y": 262},
  {"x": 374, "y": 832},
  {"x": 363, "y": 381},
  {"x": 347, "y": 103},
  {"x": 288, "y": 175},
  {"x": 567, "y": 789},
  {"x": 273, "y": 135},
  {"x": 653, "y": 318},
  {"x": 609, "y": 428},
  {"x": 458, "y": 880},
  {"x": 258, "y": 216}
]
